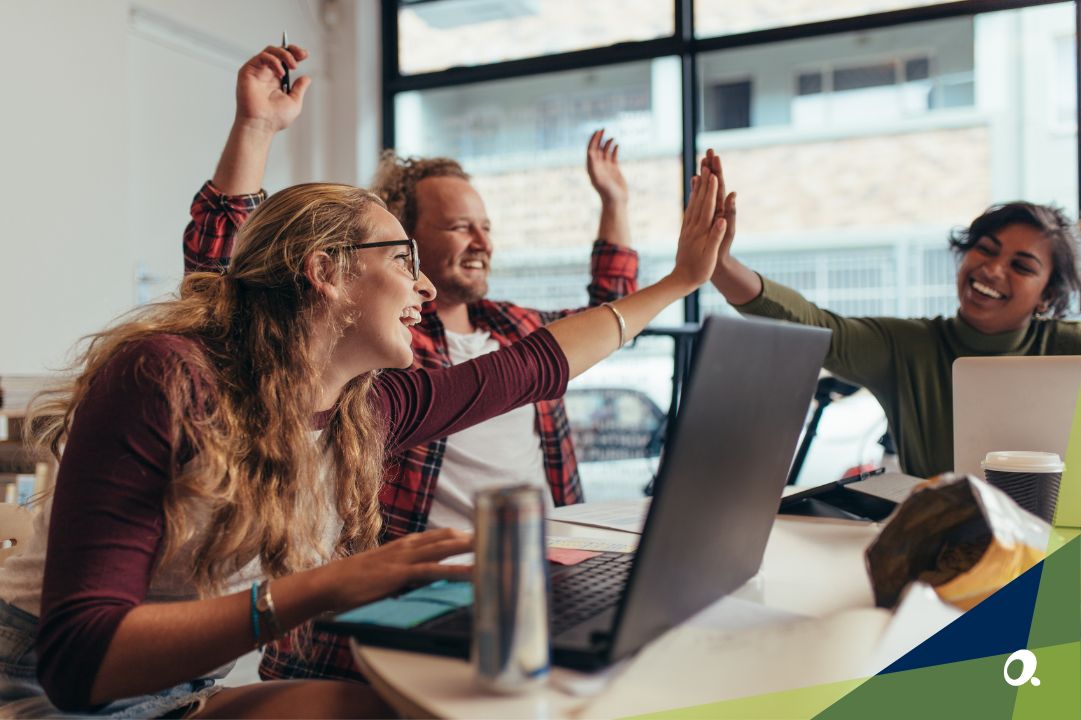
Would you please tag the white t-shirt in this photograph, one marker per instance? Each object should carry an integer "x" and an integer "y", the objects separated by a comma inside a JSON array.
[{"x": 505, "y": 450}]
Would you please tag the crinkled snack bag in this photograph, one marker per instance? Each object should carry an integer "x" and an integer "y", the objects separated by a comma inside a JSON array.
[{"x": 959, "y": 534}]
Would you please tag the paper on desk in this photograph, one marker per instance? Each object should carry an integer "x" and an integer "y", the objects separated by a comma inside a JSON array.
[
  {"x": 700, "y": 665},
  {"x": 596, "y": 545},
  {"x": 626, "y": 515},
  {"x": 570, "y": 543},
  {"x": 920, "y": 614}
]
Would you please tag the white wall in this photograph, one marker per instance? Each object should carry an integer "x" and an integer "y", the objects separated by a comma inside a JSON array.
[{"x": 113, "y": 114}]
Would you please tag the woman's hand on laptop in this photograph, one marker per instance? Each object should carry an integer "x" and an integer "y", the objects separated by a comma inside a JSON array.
[{"x": 413, "y": 559}]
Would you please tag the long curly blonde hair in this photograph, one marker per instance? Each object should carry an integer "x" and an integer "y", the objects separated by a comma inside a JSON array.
[{"x": 242, "y": 403}]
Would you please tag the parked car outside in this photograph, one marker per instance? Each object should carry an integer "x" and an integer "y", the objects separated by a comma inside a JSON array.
[{"x": 618, "y": 422}]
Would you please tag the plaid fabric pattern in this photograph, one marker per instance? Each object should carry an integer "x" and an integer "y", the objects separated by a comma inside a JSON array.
[
  {"x": 324, "y": 657},
  {"x": 215, "y": 218},
  {"x": 409, "y": 484}
]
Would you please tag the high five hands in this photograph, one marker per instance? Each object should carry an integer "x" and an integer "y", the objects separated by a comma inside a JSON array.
[
  {"x": 738, "y": 283},
  {"x": 708, "y": 223},
  {"x": 726, "y": 203}
]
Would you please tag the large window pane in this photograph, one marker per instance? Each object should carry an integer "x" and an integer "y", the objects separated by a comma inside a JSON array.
[
  {"x": 728, "y": 17},
  {"x": 523, "y": 141},
  {"x": 438, "y": 34},
  {"x": 864, "y": 150},
  {"x": 617, "y": 411}
]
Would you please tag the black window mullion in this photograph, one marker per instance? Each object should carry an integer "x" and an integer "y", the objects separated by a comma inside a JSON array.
[
  {"x": 684, "y": 10},
  {"x": 391, "y": 70},
  {"x": 617, "y": 54}
]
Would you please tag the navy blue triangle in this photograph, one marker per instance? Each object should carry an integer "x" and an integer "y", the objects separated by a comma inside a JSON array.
[{"x": 997, "y": 626}]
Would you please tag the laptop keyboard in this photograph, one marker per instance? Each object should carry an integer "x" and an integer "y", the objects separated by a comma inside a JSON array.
[
  {"x": 589, "y": 588},
  {"x": 578, "y": 593}
]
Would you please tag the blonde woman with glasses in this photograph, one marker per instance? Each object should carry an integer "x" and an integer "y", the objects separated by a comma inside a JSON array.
[{"x": 222, "y": 454}]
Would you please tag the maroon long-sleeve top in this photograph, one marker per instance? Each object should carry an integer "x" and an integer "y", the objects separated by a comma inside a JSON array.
[{"x": 107, "y": 518}]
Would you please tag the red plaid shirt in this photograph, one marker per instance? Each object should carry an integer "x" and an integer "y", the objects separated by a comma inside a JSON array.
[{"x": 409, "y": 485}]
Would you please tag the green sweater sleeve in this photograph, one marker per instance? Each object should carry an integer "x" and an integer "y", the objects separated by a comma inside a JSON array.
[
  {"x": 1067, "y": 338},
  {"x": 861, "y": 349}
]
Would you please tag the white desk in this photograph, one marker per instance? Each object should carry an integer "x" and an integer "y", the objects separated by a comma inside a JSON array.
[{"x": 811, "y": 567}]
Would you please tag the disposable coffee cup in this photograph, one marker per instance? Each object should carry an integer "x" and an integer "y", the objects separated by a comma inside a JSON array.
[{"x": 1030, "y": 478}]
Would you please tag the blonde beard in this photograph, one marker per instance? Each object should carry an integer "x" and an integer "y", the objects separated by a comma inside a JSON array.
[{"x": 461, "y": 292}]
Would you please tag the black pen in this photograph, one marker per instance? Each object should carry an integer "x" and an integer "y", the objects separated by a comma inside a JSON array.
[{"x": 286, "y": 85}]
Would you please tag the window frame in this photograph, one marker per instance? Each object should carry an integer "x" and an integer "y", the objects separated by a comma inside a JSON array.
[{"x": 684, "y": 45}]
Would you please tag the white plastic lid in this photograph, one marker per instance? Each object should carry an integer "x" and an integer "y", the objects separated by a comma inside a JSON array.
[{"x": 1023, "y": 461}]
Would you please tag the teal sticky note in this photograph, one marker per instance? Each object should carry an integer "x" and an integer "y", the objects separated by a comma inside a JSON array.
[
  {"x": 445, "y": 592},
  {"x": 399, "y": 612}
]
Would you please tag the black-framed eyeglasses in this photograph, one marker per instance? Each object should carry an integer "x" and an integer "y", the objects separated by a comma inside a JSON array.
[{"x": 414, "y": 256}]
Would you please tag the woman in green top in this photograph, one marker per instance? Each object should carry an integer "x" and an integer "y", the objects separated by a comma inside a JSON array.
[{"x": 1017, "y": 276}]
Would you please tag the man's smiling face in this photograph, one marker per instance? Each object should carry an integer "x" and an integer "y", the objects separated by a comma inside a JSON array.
[{"x": 452, "y": 231}]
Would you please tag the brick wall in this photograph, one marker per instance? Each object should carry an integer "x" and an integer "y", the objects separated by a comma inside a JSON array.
[{"x": 918, "y": 178}]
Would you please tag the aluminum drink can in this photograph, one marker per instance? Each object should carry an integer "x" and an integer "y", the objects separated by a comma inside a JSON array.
[{"x": 511, "y": 651}]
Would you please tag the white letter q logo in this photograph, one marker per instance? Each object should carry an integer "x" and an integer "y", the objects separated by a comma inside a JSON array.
[{"x": 1028, "y": 669}]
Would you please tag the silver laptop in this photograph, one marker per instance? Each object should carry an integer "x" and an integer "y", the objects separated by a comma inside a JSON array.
[
  {"x": 1016, "y": 403},
  {"x": 716, "y": 495}
]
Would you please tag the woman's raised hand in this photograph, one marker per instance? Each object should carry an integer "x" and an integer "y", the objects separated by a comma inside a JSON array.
[
  {"x": 726, "y": 204},
  {"x": 260, "y": 101},
  {"x": 705, "y": 225},
  {"x": 263, "y": 109}
]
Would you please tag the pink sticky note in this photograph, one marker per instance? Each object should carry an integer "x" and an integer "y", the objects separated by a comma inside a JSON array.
[{"x": 567, "y": 556}]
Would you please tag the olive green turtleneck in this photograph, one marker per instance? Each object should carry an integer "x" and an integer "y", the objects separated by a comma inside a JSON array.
[{"x": 908, "y": 364}]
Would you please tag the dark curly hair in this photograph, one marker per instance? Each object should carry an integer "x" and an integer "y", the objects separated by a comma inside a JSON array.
[
  {"x": 1052, "y": 222},
  {"x": 396, "y": 178}
]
